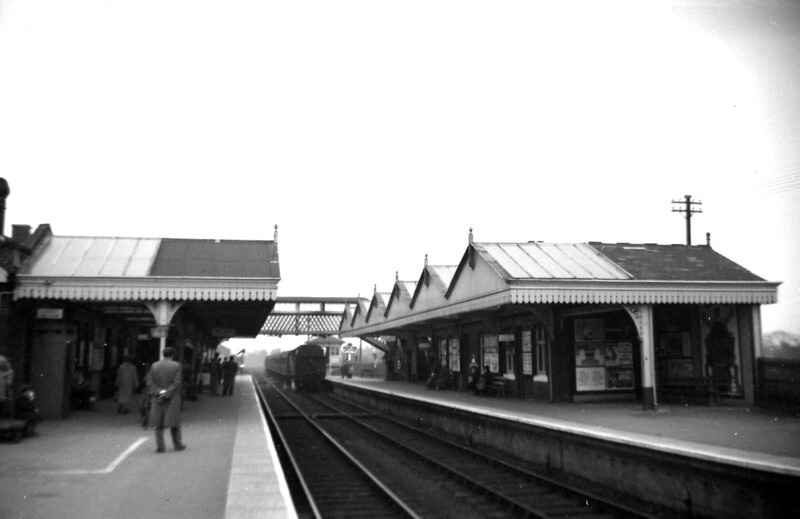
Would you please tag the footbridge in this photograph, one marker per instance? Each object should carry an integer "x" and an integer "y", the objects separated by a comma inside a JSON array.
[{"x": 318, "y": 316}]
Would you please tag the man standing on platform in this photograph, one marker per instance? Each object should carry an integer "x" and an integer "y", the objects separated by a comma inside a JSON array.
[
  {"x": 215, "y": 371},
  {"x": 164, "y": 389},
  {"x": 229, "y": 369}
]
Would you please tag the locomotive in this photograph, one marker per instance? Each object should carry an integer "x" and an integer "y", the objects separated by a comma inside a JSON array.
[{"x": 303, "y": 367}]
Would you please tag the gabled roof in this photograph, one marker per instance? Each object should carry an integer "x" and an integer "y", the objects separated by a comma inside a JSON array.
[
  {"x": 401, "y": 294},
  {"x": 117, "y": 268},
  {"x": 360, "y": 313},
  {"x": 439, "y": 275},
  {"x": 346, "y": 319},
  {"x": 377, "y": 306},
  {"x": 492, "y": 274}
]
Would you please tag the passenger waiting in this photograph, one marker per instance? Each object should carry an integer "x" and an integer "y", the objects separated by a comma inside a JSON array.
[
  {"x": 484, "y": 382},
  {"x": 474, "y": 374}
]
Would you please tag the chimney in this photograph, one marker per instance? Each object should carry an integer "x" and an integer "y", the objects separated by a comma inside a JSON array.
[
  {"x": 20, "y": 233},
  {"x": 708, "y": 239},
  {"x": 4, "y": 192}
]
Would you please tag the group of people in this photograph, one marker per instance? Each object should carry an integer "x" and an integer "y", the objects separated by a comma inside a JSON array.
[
  {"x": 226, "y": 371},
  {"x": 161, "y": 405},
  {"x": 479, "y": 382}
]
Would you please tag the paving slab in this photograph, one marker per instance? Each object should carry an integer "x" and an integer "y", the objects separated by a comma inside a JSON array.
[{"x": 98, "y": 464}]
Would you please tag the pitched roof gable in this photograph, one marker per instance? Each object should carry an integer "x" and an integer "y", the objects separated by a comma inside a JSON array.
[
  {"x": 438, "y": 275},
  {"x": 377, "y": 306},
  {"x": 360, "y": 312},
  {"x": 345, "y": 321},
  {"x": 401, "y": 294}
]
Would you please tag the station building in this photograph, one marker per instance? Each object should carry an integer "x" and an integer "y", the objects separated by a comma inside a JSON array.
[
  {"x": 81, "y": 303},
  {"x": 577, "y": 321}
]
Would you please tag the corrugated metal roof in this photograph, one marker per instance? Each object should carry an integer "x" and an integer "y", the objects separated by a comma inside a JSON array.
[
  {"x": 64, "y": 256},
  {"x": 538, "y": 260}
]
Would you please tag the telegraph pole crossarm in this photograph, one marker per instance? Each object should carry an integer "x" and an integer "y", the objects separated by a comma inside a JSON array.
[{"x": 689, "y": 210}]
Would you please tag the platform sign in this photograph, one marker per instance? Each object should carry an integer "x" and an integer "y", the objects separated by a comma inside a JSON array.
[{"x": 49, "y": 313}]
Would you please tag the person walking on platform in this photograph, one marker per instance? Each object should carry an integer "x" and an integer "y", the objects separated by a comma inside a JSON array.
[
  {"x": 229, "y": 369},
  {"x": 127, "y": 382},
  {"x": 215, "y": 371},
  {"x": 164, "y": 390}
]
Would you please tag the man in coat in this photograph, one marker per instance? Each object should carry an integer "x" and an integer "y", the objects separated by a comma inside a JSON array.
[
  {"x": 229, "y": 369},
  {"x": 127, "y": 382},
  {"x": 164, "y": 389}
]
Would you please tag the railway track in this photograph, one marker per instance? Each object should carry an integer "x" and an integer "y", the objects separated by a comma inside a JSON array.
[
  {"x": 439, "y": 478},
  {"x": 332, "y": 483}
]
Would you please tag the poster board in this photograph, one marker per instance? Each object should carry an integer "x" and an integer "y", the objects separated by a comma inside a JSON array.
[
  {"x": 600, "y": 364},
  {"x": 491, "y": 358},
  {"x": 455, "y": 355},
  {"x": 527, "y": 353}
]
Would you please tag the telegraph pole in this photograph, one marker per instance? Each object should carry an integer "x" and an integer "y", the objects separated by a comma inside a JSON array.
[{"x": 688, "y": 203}]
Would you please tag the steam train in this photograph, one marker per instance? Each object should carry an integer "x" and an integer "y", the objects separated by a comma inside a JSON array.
[{"x": 303, "y": 367}]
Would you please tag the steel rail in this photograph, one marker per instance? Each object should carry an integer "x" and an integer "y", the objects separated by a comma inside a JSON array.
[
  {"x": 465, "y": 478},
  {"x": 511, "y": 466},
  {"x": 557, "y": 485},
  {"x": 370, "y": 476},
  {"x": 284, "y": 442}
]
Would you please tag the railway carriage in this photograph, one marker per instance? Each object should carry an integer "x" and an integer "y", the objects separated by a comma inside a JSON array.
[{"x": 303, "y": 367}]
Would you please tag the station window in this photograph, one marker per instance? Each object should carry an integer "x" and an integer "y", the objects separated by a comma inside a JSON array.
[
  {"x": 489, "y": 352},
  {"x": 541, "y": 351},
  {"x": 509, "y": 358}
]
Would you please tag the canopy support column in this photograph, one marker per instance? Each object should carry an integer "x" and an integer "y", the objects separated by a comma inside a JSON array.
[
  {"x": 642, "y": 316},
  {"x": 163, "y": 312}
]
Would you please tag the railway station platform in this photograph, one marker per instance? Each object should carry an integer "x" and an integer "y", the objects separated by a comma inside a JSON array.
[
  {"x": 742, "y": 436},
  {"x": 99, "y": 464}
]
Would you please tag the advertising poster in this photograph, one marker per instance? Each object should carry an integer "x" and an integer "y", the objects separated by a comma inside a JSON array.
[
  {"x": 589, "y": 354},
  {"x": 590, "y": 379},
  {"x": 455, "y": 355},
  {"x": 608, "y": 362},
  {"x": 619, "y": 378},
  {"x": 625, "y": 353}
]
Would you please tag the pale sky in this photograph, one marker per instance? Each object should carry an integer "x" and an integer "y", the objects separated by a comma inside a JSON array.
[{"x": 375, "y": 132}]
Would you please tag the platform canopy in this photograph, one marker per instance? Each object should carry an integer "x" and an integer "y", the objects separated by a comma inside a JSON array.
[
  {"x": 229, "y": 284},
  {"x": 492, "y": 274},
  {"x": 146, "y": 269}
]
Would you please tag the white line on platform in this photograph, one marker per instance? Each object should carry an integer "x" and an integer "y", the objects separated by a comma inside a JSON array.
[{"x": 111, "y": 466}]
